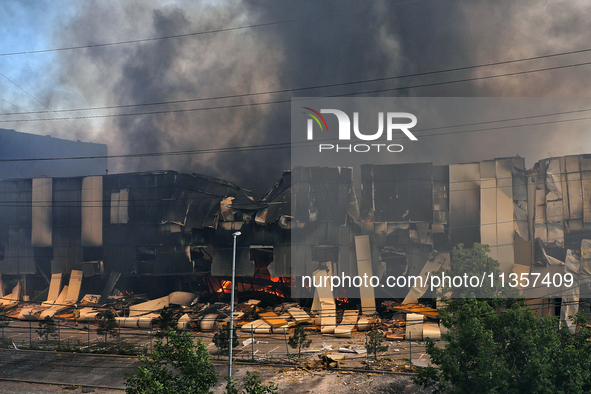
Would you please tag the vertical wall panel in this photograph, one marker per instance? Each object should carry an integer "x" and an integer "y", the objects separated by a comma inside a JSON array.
[
  {"x": 464, "y": 199},
  {"x": 440, "y": 194},
  {"x": 505, "y": 215},
  {"x": 488, "y": 207},
  {"x": 119, "y": 206},
  {"x": 563, "y": 182},
  {"x": 92, "y": 211},
  {"x": 540, "y": 228},
  {"x": 520, "y": 200},
  {"x": 573, "y": 181},
  {"x": 586, "y": 183},
  {"x": 42, "y": 219},
  {"x": 364, "y": 266}
]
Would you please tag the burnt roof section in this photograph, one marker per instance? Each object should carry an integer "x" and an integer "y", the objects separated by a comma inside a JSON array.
[
  {"x": 191, "y": 200},
  {"x": 277, "y": 201}
]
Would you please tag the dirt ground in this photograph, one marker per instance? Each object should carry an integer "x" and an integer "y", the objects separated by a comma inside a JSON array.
[
  {"x": 299, "y": 381},
  {"x": 269, "y": 348},
  {"x": 288, "y": 380}
]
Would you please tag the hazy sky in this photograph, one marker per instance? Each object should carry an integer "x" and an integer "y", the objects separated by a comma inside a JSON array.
[{"x": 276, "y": 48}]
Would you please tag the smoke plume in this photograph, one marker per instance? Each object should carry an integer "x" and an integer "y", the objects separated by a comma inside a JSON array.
[{"x": 316, "y": 44}]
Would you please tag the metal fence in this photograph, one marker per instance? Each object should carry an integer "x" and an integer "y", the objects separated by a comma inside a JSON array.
[
  {"x": 65, "y": 335},
  {"x": 59, "y": 334}
]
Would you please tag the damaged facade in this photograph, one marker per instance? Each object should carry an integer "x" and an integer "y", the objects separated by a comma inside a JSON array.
[
  {"x": 144, "y": 224},
  {"x": 166, "y": 231}
]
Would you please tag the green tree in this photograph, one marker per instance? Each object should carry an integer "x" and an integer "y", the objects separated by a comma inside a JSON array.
[
  {"x": 222, "y": 337},
  {"x": 253, "y": 384},
  {"x": 47, "y": 328},
  {"x": 499, "y": 345},
  {"x": 507, "y": 350},
  {"x": 474, "y": 262},
  {"x": 299, "y": 340},
  {"x": 108, "y": 325},
  {"x": 375, "y": 342},
  {"x": 168, "y": 320},
  {"x": 175, "y": 366}
]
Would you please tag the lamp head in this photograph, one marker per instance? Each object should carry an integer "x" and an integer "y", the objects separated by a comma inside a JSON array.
[{"x": 237, "y": 233}]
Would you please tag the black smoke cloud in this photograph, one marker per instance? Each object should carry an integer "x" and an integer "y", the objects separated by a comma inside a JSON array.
[{"x": 319, "y": 43}]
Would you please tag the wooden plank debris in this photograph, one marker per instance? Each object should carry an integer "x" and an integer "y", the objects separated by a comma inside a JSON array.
[
  {"x": 54, "y": 288},
  {"x": 272, "y": 319},
  {"x": 414, "y": 327},
  {"x": 148, "y": 306},
  {"x": 328, "y": 312},
  {"x": 60, "y": 305},
  {"x": 299, "y": 315},
  {"x": 431, "y": 330},
  {"x": 13, "y": 298},
  {"x": 429, "y": 312},
  {"x": 345, "y": 329},
  {"x": 434, "y": 263},
  {"x": 365, "y": 322},
  {"x": 88, "y": 314},
  {"x": 257, "y": 326},
  {"x": 74, "y": 287}
]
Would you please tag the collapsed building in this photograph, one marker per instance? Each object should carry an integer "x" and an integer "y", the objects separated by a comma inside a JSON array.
[{"x": 159, "y": 232}]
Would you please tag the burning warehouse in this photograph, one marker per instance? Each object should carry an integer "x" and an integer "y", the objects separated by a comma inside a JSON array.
[
  {"x": 159, "y": 232},
  {"x": 158, "y": 226}
]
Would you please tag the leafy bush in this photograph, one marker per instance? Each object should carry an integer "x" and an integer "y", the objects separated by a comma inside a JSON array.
[
  {"x": 175, "y": 366},
  {"x": 253, "y": 384}
]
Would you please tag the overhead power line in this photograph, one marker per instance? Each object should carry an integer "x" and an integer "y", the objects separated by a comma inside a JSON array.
[
  {"x": 324, "y": 86},
  {"x": 287, "y": 145},
  {"x": 289, "y": 100},
  {"x": 37, "y": 100},
  {"x": 199, "y": 33},
  {"x": 142, "y": 40}
]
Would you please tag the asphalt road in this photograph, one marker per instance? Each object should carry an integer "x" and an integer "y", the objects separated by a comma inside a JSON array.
[{"x": 65, "y": 368}]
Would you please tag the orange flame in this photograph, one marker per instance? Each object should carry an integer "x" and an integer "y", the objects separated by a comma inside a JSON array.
[{"x": 226, "y": 284}]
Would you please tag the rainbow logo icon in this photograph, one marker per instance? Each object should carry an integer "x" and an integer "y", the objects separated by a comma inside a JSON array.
[{"x": 317, "y": 117}]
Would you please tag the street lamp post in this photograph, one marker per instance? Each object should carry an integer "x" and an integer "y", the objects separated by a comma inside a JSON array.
[{"x": 235, "y": 235}]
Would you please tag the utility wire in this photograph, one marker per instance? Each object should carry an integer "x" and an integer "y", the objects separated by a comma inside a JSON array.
[
  {"x": 199, "y": 33},
  {"x": 433, "y": 72},
  {"x": 37, "y": 100},
  {"x": 286, "y": 145},
  {"x": 289, "y": 100}
]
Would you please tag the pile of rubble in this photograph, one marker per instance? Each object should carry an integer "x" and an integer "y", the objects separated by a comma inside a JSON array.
[{"x": 399, "y": 322}]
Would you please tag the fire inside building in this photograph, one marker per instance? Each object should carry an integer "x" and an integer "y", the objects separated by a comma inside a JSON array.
[{"x": 158, "y": 232}]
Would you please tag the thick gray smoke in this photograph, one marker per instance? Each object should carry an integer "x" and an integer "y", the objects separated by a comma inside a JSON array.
[
  {"x": 320, "y": 43},
  {"x": 328, "y": 43}
]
